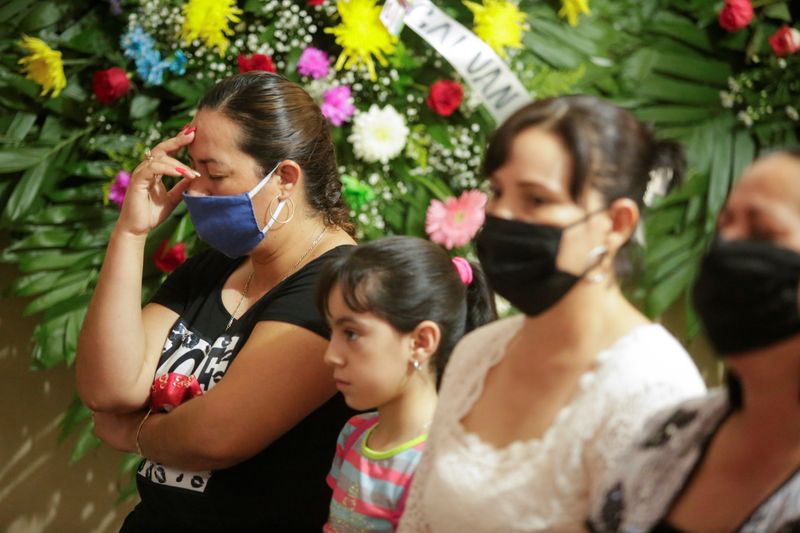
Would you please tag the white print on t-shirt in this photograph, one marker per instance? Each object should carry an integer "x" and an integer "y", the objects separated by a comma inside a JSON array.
[{"x": 187, "y": 353}]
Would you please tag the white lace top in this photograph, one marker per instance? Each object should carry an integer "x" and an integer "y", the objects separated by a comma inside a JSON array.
[{"x": 465, "y": 484}]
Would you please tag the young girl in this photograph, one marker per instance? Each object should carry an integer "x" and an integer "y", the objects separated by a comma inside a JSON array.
[{"x": 396, "y": 307}]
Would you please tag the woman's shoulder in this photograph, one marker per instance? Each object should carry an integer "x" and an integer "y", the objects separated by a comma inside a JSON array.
[
  {"x": 491, "y": 334},
  {"x": 656, "y": 464},
  {"x": 650, "y": 357}
]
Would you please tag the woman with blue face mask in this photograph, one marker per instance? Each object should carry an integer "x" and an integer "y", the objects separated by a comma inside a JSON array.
[
  {"x": 535, "y": 408},
  {"x": 236, "y": 324},
  {"x": 730, "y": 461}
]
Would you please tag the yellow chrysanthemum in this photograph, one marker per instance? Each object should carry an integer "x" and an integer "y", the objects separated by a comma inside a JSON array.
[
  {"x": 43, "y": 66},
  {"x": 208, "y": 20},
  {"x": 570, "y": 9},
  {"x": 498, "y": 23},
  {"x": 361, "y": 35}
]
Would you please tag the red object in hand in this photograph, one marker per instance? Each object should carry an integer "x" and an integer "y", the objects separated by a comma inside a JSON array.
[
  {"x": 110, "y": 84},
  {"x": 167, "y": 260},
  {"x": 170, "y": 390},
  {"x": 736, "y": 15},
  {"x": 256, "y": 62},
  {"x": 445, "y": 96},
  {"x": 785, "y": 41}
]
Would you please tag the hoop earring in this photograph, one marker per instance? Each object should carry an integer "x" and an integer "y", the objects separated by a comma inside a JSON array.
[{"x": 268, "y": 215}]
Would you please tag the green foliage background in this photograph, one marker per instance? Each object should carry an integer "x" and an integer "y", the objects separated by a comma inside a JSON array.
[{"x": 666, "y": 60}]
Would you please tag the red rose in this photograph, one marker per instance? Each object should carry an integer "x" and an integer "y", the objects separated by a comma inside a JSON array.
[
  {"x": 256, "y": 62},
  {"x": 168, "y": 260},
  {"x": 315, "y": 2},
  {"x": 736, "y": 14},
  {"x": 785, "y": 41},
  {"x": 445, "y": 96},
  {"x": 110, "y": 84}
]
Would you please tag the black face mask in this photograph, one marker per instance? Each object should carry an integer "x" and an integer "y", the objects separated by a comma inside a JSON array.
[
  {"x": 519, "y": 259},
  {"x": 746, "y": 295}
]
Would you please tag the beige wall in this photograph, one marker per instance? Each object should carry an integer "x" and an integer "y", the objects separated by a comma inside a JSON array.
[{"x": 39, "y": 490}]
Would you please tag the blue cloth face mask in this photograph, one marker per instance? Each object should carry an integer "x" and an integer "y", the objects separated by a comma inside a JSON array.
[{"x": 228, "y": 223}]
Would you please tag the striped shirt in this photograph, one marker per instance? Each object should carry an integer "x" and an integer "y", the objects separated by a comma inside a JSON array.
[{"x": 369, "y": 487}]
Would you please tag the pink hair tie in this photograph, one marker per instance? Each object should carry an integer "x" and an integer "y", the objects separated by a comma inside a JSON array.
[{"x": 464, "y": 269}]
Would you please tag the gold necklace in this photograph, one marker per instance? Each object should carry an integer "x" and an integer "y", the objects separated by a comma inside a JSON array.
[{"x": 253, "y": 273}]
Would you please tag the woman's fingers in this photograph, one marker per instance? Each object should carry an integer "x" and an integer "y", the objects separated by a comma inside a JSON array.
[
  {"x": 175, "y": 195},
  {"x": 169, "y": 146}
]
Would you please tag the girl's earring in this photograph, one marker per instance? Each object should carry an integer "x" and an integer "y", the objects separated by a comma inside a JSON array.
[{"x": 416, "y": 364}]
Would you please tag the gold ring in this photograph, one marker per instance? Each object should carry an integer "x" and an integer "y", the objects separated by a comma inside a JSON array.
[{"x": 148, "y": 154}]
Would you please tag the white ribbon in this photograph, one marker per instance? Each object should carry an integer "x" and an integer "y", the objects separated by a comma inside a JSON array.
[{"x": 480, "y": 66}]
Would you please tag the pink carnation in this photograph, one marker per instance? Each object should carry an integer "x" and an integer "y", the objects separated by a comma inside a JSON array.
[
  {"x": 314, "y": 62},
  {"x": 337, "y": 106},
  {"x": 455, "y": 221},
  {"x": 118, "y": 189}
]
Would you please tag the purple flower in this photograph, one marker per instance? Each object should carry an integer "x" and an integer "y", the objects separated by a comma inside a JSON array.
[
  {"x": 118, "y": 189},
  {"x": 337, "y": 106},
  {"x": 116, "y": 9},
  {"x": 314, "y": 62}
]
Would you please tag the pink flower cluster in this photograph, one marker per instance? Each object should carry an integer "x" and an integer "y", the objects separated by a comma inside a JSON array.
[
  {"x": 337, "y": 106},
  {"x": 314, "y": 62},
  {"x": 120, "y": 186}
]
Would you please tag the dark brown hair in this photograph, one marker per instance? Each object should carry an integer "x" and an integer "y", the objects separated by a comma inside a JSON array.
[
  {"x": 612, "y": 152},
  {"x": 405, "y": 281},
  {"x": 280, "y": 121}
]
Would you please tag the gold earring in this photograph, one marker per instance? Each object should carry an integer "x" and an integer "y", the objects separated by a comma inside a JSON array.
[{"x": 268, "y": 215}]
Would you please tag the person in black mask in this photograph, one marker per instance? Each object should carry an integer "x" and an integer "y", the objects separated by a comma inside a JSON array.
[
  {"x": 730, "y": 461},
  {"x": 535, "y": 408}
]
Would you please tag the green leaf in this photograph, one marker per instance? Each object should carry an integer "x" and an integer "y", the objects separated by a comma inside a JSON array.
[
  {"x": 436, "y": 186},
  {"x": 41, "y": 15},
  {"x": 680, "y": 28},
  {"x": 721, "y": 166},
  {"x": 744, "y": 150},
  {"x": 666, "y": 89},
  {"x": 667, "y": 291},
  {"x": 70, "y": 213},
  {"x": 72, "y": 330},
  {"x": 55, "y": 296},
  {"x": 53, "y": 259},
  {"x": 779, "y": 12},
  {"x": 85, "y": 444},
  {"x": 439, "y": 133},
  {"x": 142, "y": 105},
  {"x": 23, "y": 158},
  {"x": 694, "y": 67},
  {"x": 27, "y": 191},
  {"x": 552, "y": 53},
  {"x": 73, "y": 416},
  {"x": 662, "y": 114},
  {"x": 43, "y": 238},
  {"x": 20, "y": 126}
]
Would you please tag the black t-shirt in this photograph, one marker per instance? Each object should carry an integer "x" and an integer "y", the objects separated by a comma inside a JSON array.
[{"x": 283, "y": 487}]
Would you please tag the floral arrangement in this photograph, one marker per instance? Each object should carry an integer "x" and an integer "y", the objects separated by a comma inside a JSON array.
[{"x": 765, "y": 88}]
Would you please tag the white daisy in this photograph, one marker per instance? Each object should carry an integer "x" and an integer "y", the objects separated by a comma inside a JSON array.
[{"x": 378, "y": 134}]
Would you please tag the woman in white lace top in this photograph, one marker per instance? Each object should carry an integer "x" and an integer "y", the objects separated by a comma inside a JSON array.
[{"x": 534, "y": 409}]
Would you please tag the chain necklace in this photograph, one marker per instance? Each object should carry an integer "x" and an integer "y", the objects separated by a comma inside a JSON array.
[{"x": 291, "y": 270}]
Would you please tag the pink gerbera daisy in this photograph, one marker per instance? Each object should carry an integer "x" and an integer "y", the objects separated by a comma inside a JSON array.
[{"x": 455, "y": 221}]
